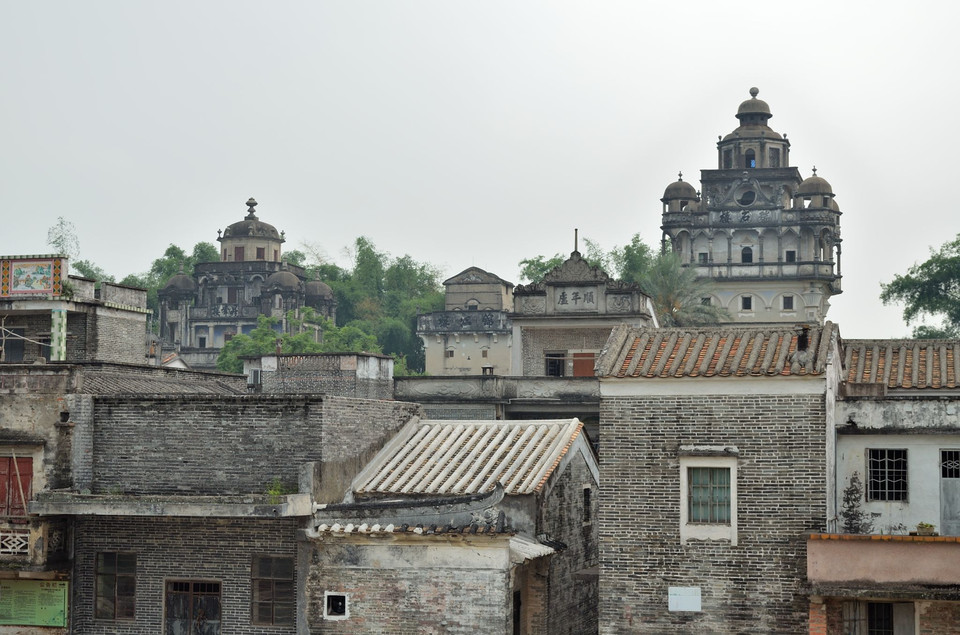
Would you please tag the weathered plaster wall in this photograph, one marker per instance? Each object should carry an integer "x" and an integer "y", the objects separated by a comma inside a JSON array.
[{"x": 451, "y": 586}]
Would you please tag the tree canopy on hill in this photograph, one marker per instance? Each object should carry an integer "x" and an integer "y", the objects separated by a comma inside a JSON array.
[{"x": 930, "y": 289}]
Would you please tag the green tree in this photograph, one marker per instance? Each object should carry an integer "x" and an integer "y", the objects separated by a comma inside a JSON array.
[
  {"x": 88, "y": 269},
  {"x": 533, "y": 270},
  {"x": 264, "y": 339},
  {"x": 204, "y": 252},
  {"x": 677, "y": 293},
  {"x": 295, "y": 257},
  {"x": 632, "y": 260},
  {"x": 62, "y": 236},
  {"x": 930, "y": 289}
]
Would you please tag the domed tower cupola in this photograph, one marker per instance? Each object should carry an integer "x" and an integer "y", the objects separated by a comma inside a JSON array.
[
  {"x": 180, "y": 287},
  {"x": 320, "y": 296},
  {"x": 679, "y": 196},
  {"x": 250, "y": 239},
  {"x": 815, "y": 191},
  {"x": 754, "y": 144},
  {"x": 754, "y": 112}
]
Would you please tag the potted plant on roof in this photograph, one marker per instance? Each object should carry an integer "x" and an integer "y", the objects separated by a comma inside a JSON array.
[{"x": 925, "y": 529}]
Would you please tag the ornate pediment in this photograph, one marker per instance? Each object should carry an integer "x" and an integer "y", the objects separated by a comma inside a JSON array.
[
  {"x": 575, "y": 269},
  {"x": 475, "y": 275}
]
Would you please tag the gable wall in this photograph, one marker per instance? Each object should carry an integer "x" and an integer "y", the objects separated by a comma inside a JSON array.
[
  {"x": 455, "y": 587},
  {"x": 572, "y": 603},
  {"x": 755, "y": 586}
]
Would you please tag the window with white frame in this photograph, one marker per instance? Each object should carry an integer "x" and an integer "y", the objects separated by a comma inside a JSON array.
[
  {"x": 336, "y": 605},
  {"x": 886, "y": 474},
  {"x": 708, "y": 494}
]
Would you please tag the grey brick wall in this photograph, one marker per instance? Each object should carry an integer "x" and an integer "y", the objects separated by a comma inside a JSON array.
[
  {"x": 332, "y": 375},
  {"x": 754, "y": 587},
  {"x": 231, "y": 445},
  {"x": 572, "y": 603},
  {"x": 78, "y": 344},
  {"x": 120, "y": 336},
  {"x": 537, "y": 341},
  {"x": 177, "y": 548}
]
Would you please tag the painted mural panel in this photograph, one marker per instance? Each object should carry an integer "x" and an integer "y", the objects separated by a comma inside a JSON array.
[{"x": 31, "y": 276}]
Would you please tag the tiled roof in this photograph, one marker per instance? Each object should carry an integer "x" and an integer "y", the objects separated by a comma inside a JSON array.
[
  {"x": 420, "y": 530},
  {"x": 113, "y": 384},
  {"x": 469, "y": 457},
  {"x": 903, "y": 363},
  {"x": 717, "y": 351}
]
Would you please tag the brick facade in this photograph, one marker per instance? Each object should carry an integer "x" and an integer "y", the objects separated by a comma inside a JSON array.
[
  {"x": 538, "y": 341},
  {"x": 180, "y": 549},
  {"x": 755, "y": 586},
  {"x": 572, "y": 603},
  {"x": 231, "y": 445},
  {"x": 346, "y": 375}
]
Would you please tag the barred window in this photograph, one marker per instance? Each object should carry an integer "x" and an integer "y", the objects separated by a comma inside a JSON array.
[
  {"x": 949, "y": 463},
  {"x": 192, "y": 606},
  {"x": 273, "y": 596},
  {"x": 887, "y": 470},
  {"x": 709, "y": 496},
  {"x": 116, "y": 586}
]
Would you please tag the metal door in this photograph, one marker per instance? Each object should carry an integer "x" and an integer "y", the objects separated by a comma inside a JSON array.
[{"x": 949, "y": 493}]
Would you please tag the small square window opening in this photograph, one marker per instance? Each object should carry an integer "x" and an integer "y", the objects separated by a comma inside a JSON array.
[{"x": 335, "y": 606}]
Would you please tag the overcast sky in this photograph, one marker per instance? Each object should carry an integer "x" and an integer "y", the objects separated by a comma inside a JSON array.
[{"x": 466, "y": 133}]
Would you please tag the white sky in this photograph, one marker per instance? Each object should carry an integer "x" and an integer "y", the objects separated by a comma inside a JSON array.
[{"x": 466, "y": 133}]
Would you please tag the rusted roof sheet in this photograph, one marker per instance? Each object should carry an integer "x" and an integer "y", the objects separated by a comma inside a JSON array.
[
  {"x": 470, "y": 457},
  {"x": 903, "y": 363},
  {"x": 717, "y": 351}
]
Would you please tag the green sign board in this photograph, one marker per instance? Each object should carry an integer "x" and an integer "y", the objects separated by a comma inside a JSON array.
[{"x": 33, "y": 602}]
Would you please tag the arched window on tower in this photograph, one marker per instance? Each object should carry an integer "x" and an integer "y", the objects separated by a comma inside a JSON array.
[
  {"x": 746, "y": 254},
  {"x": 750, "y": 159}
]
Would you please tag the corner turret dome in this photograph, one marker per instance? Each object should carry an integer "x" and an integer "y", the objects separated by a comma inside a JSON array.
[
  {"x": 678, "y": 190},
  {"x": 317, "y": 289},
  {"x": 180, "y": 282},
  {"x": 251, "y": 227},
  {"x": 179, "y": 286},
  {"x": 282, "y": 281},
  {"x": 814, "y": 185}
]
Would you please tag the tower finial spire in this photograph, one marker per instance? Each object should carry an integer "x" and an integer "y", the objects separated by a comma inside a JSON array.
[
  {"x": 754, "y": 92},
  {"x": 680, "y": 176},
  {"x": 576, "y": 240},
  {"x": 814, "y": 170}
]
